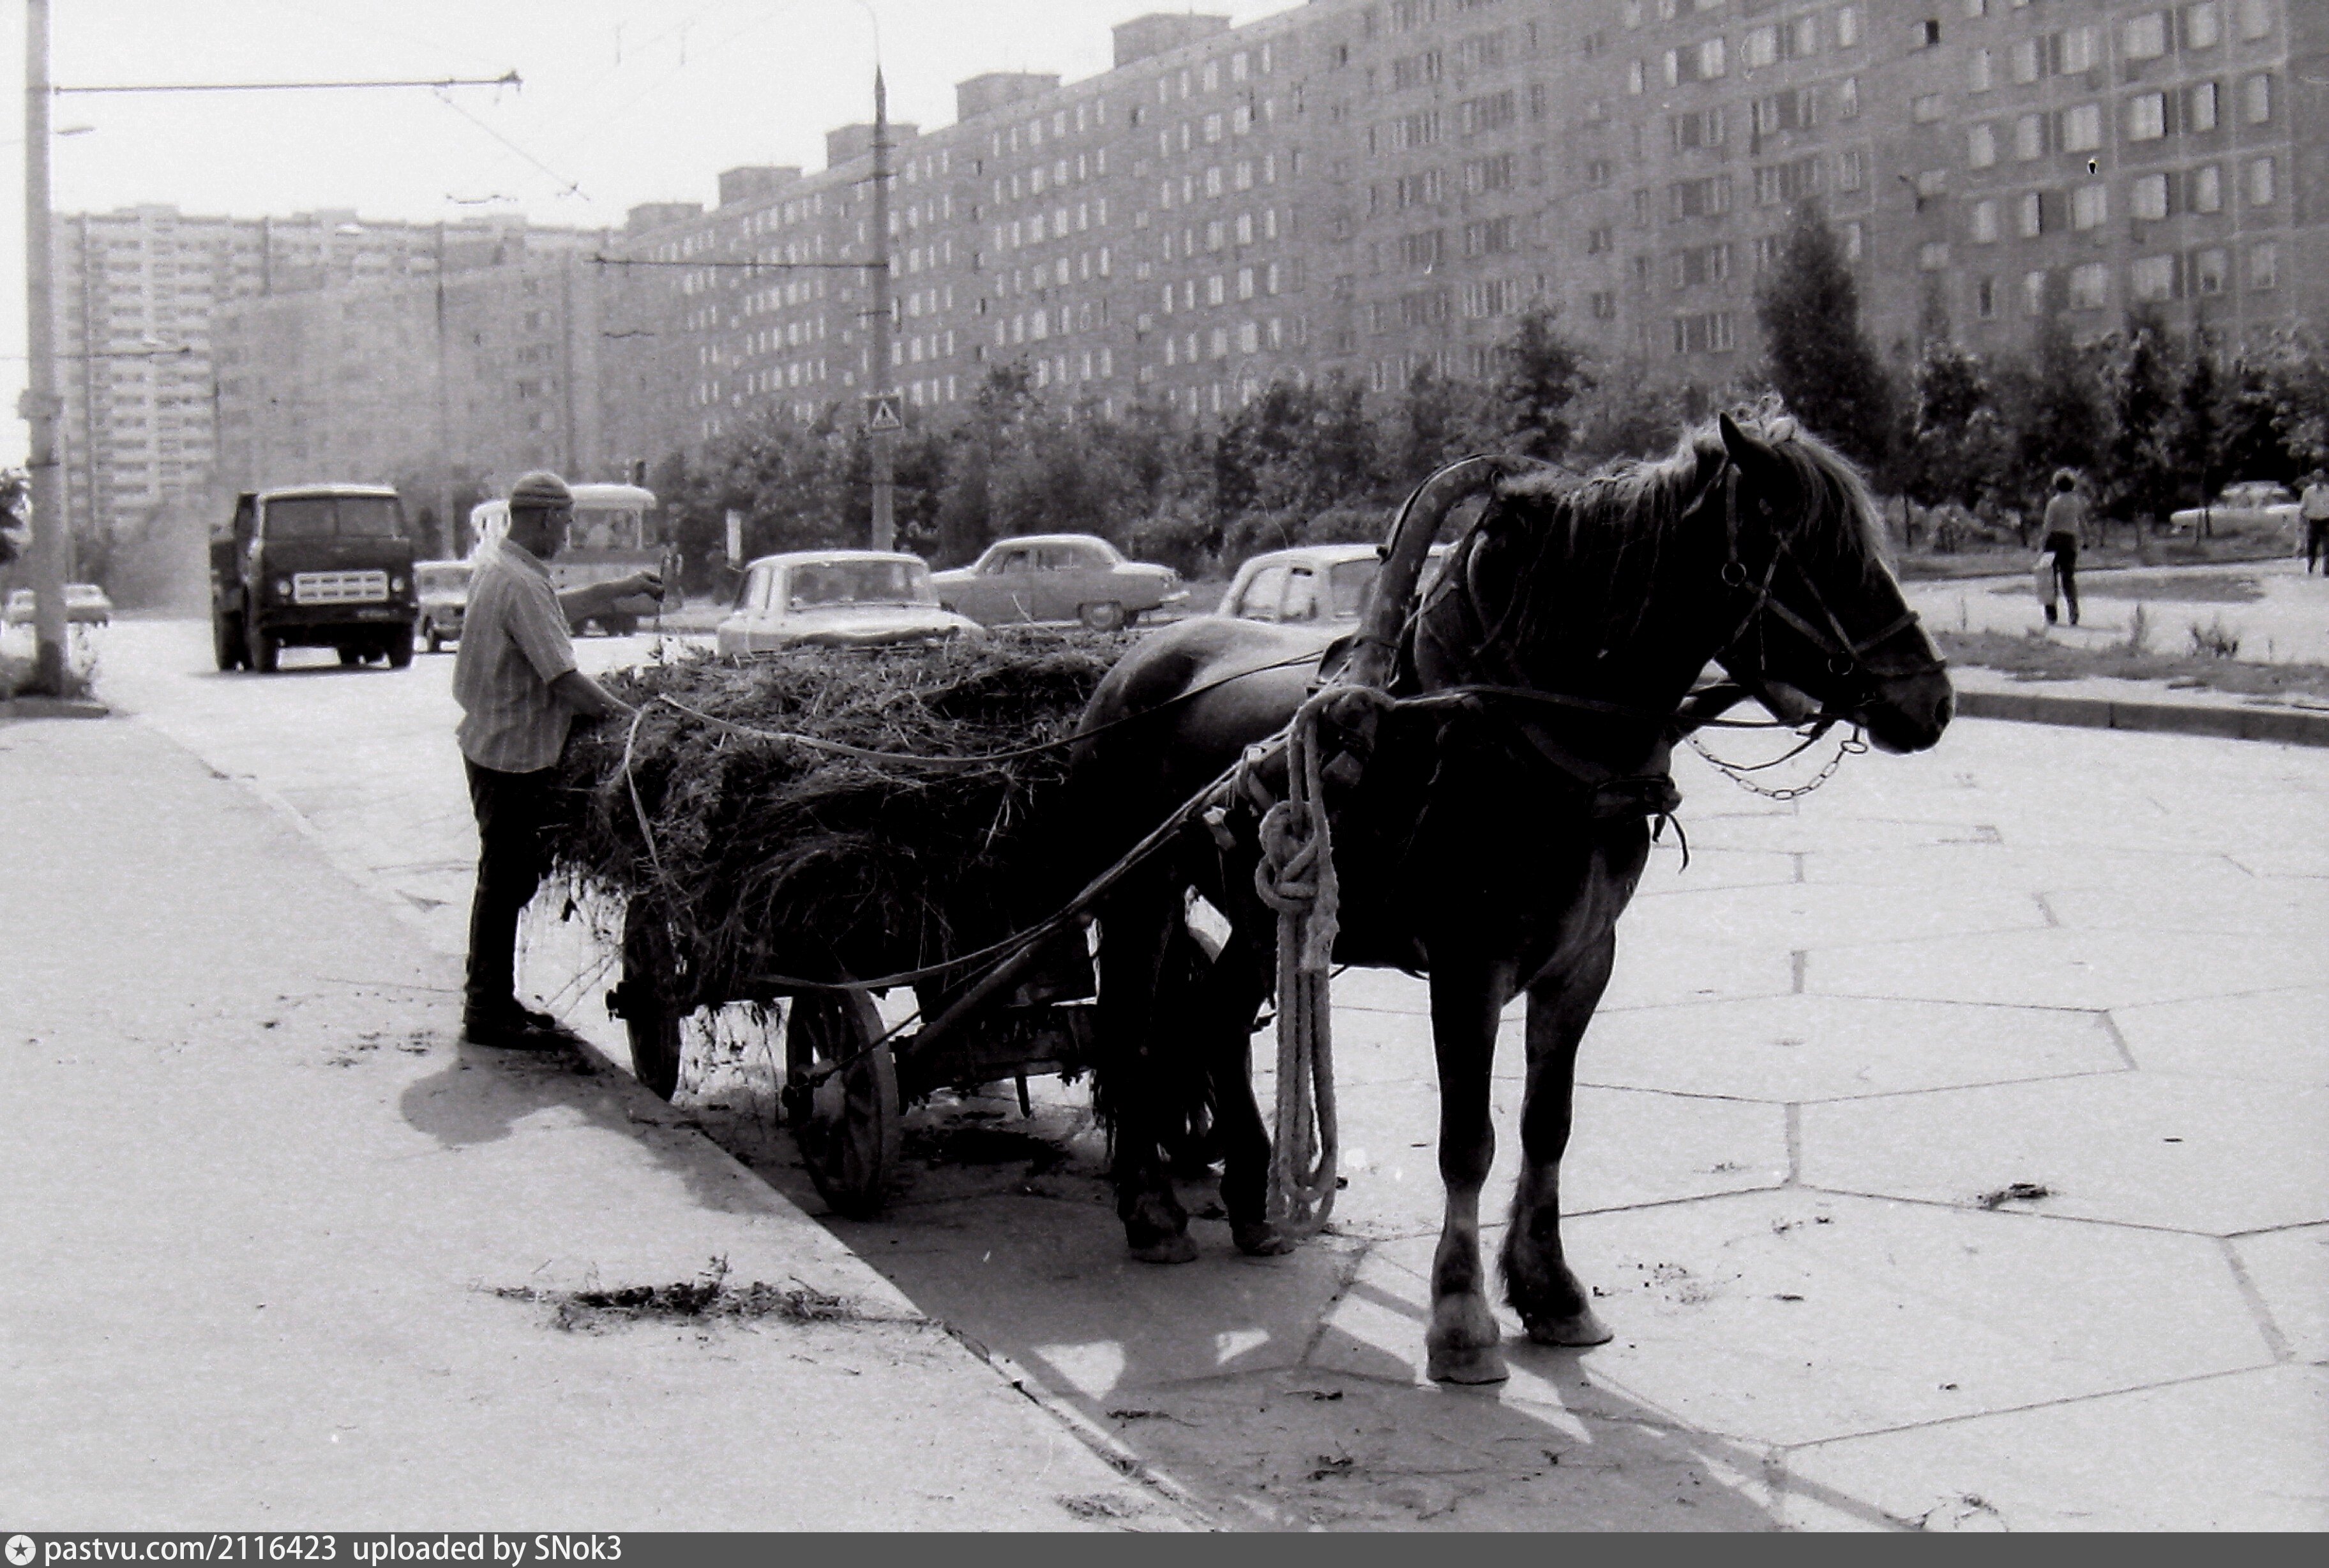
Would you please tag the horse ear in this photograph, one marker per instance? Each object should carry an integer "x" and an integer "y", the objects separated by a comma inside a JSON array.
[{"x": 1745, "y": 450}]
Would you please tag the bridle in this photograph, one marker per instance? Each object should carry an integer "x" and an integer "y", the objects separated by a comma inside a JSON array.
[{"x": 1849, "y": 658}]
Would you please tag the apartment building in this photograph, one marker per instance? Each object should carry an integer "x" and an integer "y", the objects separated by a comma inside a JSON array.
[{"x": 140, "y": 294}]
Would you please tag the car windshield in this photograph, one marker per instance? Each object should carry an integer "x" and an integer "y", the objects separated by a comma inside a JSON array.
[
  {"x": 1347, "y": 585},
  {"x": 823, "y": 584},
  {"x": 335, "y": 517},
  {"x": 84, "y": 593}
]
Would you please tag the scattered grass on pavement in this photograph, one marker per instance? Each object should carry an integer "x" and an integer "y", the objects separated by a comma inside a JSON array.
[{"x": 2034, "y": 657}]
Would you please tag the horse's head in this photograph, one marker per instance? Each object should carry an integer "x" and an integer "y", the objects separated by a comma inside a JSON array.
[{"x": 1821, "y": 630}]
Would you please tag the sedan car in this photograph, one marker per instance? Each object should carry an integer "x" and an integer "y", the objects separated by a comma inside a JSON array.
[
  {"x": 838, "y": 598},
  {"x": 2256, "y": 506},
  {"x": 86, "y": 604},
  {"x": 444, "y": 588},
  {"x": 1058, "y": 577},
  {"x": 1320, "y": 585}
]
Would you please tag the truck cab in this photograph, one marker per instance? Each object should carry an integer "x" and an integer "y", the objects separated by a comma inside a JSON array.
[{"x": 313, "y": 566}]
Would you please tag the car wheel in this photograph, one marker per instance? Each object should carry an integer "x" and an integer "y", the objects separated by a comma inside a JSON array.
[
  {"x": 398, "y": 649},
  {"x": 264, "y": 650},
  {"x": 436, "y": 640},
  {"x": 352, "y": 655},
  {"x": 1108, "y": 616},
  {"x": 226, "y": 643}
]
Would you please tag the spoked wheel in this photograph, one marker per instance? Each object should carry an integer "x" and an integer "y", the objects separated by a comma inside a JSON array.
[
  {"x": 847, "y": 1126},
  {"x": 651, "y": 1017}
]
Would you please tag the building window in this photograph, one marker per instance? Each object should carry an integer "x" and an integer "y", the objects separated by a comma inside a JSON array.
[
  {"x": 1852, "y": 240},
  {"x": 1847, "y": 98},
  {"x": 2205, "y": 188},
  {"x": 1933, "y": 256},
  {"x": 2030, "y": 137},
  {"x": 1759, "y": 48},
  {"x": 2200, "y": 107},
  {"x": 2143, "y": 37},
  {"x": 2146, "y": 117},
  {"x": 2203, "y": 28},
  {"x": 2089, "y": 206},
  {"x": 2089, "y": 286},
  {"x": 2150, "y": 278},
  {"x": 1927, "y": 108},
  {"x": 1847, "y": 26},
  {"x": 1604, "y": 306},
  {"x": 2033, "y": 293},
  {"x": 1981, "y": 70},
  {"x": 1927, "y": 34},
  {"x": 1981, "y": 146},
  {"x": 1984, "y": 298},
  {"x": 2262, "y": 185},
  {"x": 1985, "y": 223},
  {"x": 2264, "y": 266},
  {"x": 2256, "y": 100},
  {"x": 2207, "y": 269},
  {"x": 2082, "y": 127},
  {"x": 2146, "y": 197},
  {"x": 1851, "y": 169},
  {"x": 2256, "y": 19},
  {"x": 2029, "y": 214}
]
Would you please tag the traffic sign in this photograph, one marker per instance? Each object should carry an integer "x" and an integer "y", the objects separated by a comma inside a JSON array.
[{"x": 881, "y": 411}]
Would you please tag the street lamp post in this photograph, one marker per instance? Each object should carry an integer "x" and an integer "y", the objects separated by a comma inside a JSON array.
[
  {"x": 882, "y": 439},
  {"x": 42, "y": 408}
]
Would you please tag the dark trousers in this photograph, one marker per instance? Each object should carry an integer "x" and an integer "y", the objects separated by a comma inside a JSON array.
[
  {"x": 2064, "y": 547},
  {"x": 511, "y": 809},
  {"x": 2316, "y": 542}
]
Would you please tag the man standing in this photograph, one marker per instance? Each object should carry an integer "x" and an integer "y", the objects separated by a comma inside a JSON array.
[
  {"x": 519, "y": 690},
  {"x": 2066, "y": 522},
  {"x": 2314, "y": 508}
]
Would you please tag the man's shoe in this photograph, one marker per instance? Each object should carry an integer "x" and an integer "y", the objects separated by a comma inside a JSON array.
[{"x": 516, "y": 1033}]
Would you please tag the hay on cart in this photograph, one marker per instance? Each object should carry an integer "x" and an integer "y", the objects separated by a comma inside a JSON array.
[{"x": 773, "y": 857}]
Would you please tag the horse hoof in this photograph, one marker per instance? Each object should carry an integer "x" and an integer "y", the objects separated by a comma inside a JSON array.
[
  {"x": 1466, "y": 1364},
  {"x": 1260, "y": 1240},
  {"x": 1169, "y": 1249},
  {"x": 1584, "y": 1328}
]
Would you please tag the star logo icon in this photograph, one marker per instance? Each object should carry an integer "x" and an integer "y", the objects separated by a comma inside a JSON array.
[{"x": 20, "y": 1551}]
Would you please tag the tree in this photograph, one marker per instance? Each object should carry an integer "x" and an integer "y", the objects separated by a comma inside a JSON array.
[
  {"x": 2054, "y": 407},
  {"x": 1818, "y": 358},
  {"x": 2138, "y": 474},
  {"x": 1435, "y": 421},
  {"x": 1544, "y": 373},
  {"x": 1948, "y": 457},
  {"x": 2251, "y": 447},
  {"x": 2195, "y": 435},
  {"x": 15, "y": 496}
]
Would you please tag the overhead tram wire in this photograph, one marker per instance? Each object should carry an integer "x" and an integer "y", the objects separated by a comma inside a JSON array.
[
  {"x": 568, "y": 187},
  {"x": 507, "y": 78}
]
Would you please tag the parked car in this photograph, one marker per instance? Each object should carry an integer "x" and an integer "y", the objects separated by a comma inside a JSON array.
[
  {"x": 838, "y": 598},
  {"x": 2254, "y": 507},
  {"x": 86, "y": 604},
  {"x": 444, "y": 588},
  {"x": 1058, "y": 577},
  {"x": 1322, "y": 585}
]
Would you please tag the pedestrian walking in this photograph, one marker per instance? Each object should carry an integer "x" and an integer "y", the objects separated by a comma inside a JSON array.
[
  {"x": 2066, "y": 524},
  {"x": 2314, "y": 508},
  {"x": 519, "y": 690}
]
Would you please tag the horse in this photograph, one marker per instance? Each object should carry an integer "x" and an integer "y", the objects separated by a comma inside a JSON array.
[{"x": 1500, "y": 817}]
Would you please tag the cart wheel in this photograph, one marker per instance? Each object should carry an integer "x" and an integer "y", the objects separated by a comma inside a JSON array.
[
  {"x": 650, "y": 1015},
  {"x": 848, "y": 1128}
]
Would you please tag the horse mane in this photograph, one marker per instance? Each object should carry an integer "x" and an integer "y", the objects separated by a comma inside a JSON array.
[{"x": 1587, "y": 552}]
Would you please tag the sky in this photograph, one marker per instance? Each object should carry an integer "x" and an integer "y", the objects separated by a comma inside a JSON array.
[{"x": 623, "y": 101}]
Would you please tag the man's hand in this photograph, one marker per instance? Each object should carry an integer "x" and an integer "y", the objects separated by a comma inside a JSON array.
[{"x": 639, "y": 584}]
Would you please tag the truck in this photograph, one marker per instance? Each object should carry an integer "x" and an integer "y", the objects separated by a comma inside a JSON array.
[
  {"x": 313, "y": 566},
  {"x": 615, "y": 532}
]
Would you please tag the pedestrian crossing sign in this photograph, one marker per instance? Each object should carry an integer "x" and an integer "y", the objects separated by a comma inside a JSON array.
[{"x": 881, "y": 411}]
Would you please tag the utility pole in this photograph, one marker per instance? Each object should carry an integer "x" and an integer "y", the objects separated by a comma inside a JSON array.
[
  {"x": 884, "y": 450},
  {"x": 42, "y": 408}
]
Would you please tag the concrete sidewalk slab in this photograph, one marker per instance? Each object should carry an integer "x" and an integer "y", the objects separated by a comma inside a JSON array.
[{"x": 282, "y": 1253}]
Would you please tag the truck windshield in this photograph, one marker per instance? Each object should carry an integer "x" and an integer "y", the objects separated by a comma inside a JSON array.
[
  {"x": 335, "y": 517},
  {"x": 595, "y": 529}
]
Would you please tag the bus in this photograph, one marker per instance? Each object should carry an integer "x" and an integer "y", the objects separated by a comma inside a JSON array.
[{"x": 616, "y": 532}]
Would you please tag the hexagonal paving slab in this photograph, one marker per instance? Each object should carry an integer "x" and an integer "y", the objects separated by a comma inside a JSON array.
[
  {"x": 1806, "y": 1048},
  {"x": 2191, "y": 1153},
  {"x": 2242, "y": 1452},
  {"x": 1790, "y": 1318},
  {"x": 2290, "y": 1271},
  {"x": 2269, "y": 1037},
  {"x": 1798, "y": 915},
  {"x": 2064, "y": 968}
]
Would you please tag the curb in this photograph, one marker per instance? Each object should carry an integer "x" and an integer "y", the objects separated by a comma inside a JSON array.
[
  {"x": 53, "y": 708},
  {"x": 2286, "y": 726}
]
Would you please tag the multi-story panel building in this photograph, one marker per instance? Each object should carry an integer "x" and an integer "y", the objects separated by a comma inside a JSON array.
[{"x": 139, "y": 293}]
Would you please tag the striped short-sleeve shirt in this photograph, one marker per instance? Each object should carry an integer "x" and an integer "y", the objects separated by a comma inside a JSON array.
[{"x": 514, "y": 644}]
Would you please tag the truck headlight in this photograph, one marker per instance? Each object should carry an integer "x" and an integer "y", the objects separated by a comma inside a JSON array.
[
  {"x": 282, "y": 588},
  {"x": 396, "y": 585}
]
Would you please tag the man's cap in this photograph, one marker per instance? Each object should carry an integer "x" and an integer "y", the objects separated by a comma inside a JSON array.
[{"x": 540, "y": 491}]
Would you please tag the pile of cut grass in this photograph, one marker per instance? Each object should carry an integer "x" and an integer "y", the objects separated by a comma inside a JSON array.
[{"x": 771, "y": 857}]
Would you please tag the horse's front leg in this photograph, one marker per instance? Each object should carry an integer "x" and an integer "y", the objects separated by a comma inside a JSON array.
[
  {"x": 1138, "y": 1081},
  {"x": 1538, "y": 1282},
  {"x": 1467, "y": 995}
]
